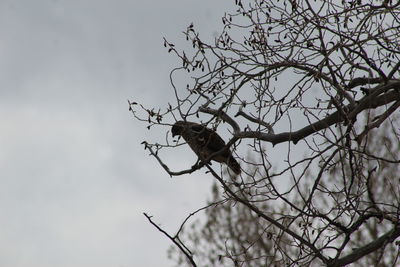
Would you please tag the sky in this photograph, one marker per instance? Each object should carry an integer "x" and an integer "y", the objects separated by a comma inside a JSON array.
[{"x": 74, "y": 178}]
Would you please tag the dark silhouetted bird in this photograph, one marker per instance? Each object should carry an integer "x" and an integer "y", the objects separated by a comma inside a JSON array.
[{"x": 204, "y": 142}]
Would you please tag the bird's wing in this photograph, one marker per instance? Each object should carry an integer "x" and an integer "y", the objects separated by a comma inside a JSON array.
[
  {"x": 208, "y": 137},
  {"x": 215, "y": 142}
]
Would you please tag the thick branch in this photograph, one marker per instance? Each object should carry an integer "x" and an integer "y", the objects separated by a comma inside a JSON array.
[
  {"x": 363, "y": 81},
  {"x": 221, "y": 114},
  {"x": 255, "y": 120},
  {"x": 371, "y": 247},
  {"x": 367, "y": 102}
]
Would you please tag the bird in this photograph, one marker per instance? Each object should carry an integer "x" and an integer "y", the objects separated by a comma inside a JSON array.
[{"x": 205, "y": 142}]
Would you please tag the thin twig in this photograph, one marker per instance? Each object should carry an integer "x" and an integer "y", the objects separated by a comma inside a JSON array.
[{"x": 173, "y": 239}]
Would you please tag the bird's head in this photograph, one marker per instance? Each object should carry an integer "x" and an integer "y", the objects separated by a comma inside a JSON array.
[{"x": 178, "y": 128}]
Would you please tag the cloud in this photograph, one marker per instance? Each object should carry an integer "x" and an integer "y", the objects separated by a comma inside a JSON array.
[{"x": 74, "y": 177}]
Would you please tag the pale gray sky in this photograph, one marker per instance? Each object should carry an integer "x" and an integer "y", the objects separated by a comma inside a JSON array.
[{"x": 74, "y": 179}]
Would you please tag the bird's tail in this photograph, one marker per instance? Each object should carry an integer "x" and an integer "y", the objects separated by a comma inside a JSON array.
[{"x": 234, "y": 165}]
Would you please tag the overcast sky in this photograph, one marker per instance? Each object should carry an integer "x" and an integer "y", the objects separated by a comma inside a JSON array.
[{"x": 74, "y": 179}]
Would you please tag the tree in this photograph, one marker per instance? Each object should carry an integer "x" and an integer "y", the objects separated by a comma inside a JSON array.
[
  {"x": 233, "y": 235},
  {"x": 317, "y": 80}
]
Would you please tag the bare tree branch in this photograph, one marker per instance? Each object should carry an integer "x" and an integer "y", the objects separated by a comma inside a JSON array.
[
  {"x": 322, "y": 72},
  {"x": 174, "y": 240},
  {"x": 365, "y": 250}
]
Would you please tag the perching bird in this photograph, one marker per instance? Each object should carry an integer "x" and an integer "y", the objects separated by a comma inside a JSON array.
[{"x": 204, "y": 142}]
